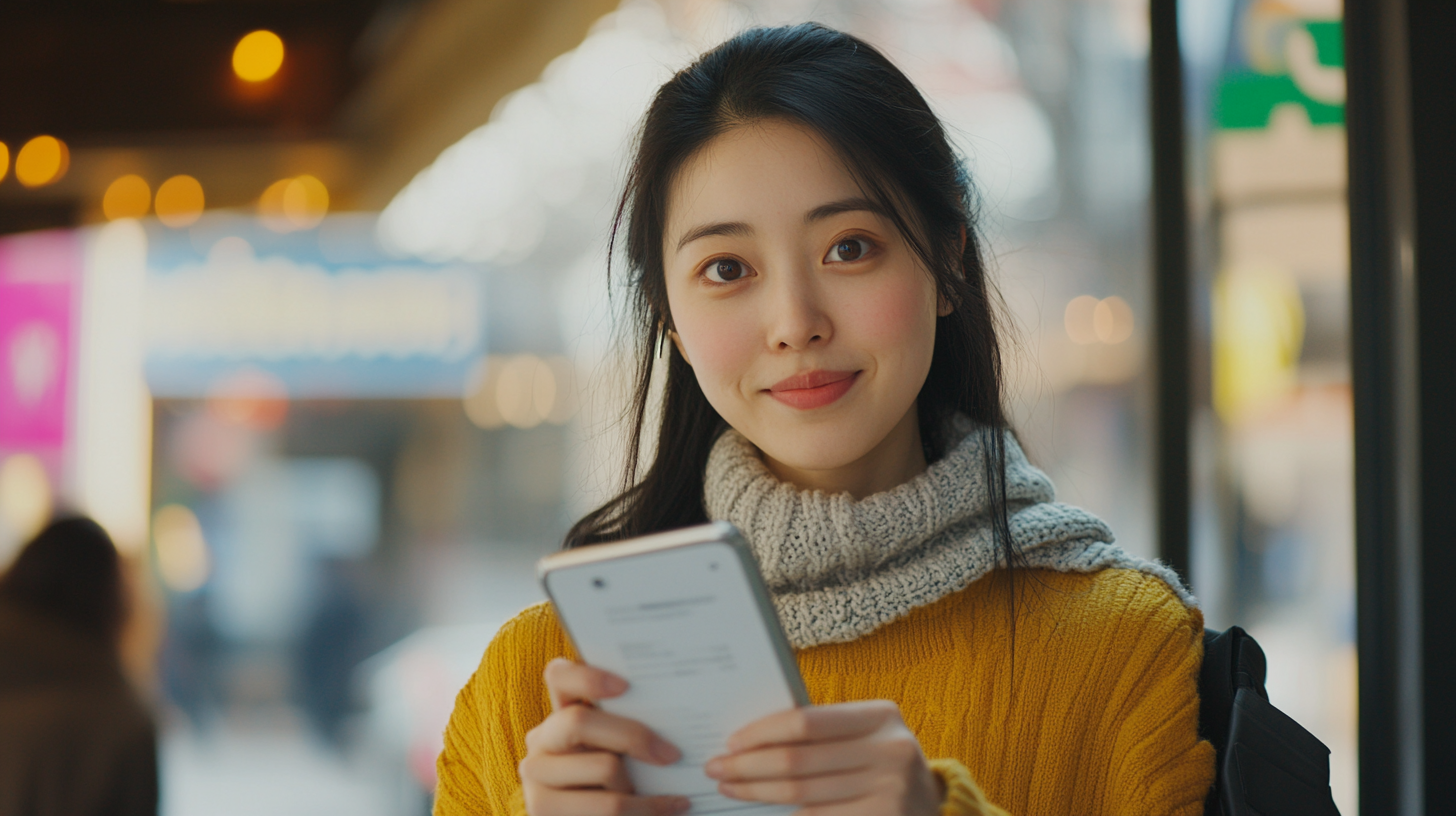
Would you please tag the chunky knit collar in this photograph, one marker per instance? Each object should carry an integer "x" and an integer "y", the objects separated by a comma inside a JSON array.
[{"x": 839, "y": 569}]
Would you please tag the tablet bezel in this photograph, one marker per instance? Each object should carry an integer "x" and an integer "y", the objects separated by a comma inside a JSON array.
[{"x": 717, "y": 532}]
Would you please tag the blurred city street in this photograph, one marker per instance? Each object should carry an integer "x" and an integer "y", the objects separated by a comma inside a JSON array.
[{"x": 307, "y": 304}]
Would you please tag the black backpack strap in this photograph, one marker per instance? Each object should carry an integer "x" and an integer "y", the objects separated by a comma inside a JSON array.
[{"x": 1267, "y": 763}]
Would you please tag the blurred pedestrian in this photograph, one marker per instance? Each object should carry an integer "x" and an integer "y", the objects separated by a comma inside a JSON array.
[
  {"x": 332, "y": 645},
  {"x": 75, "y": 739}
]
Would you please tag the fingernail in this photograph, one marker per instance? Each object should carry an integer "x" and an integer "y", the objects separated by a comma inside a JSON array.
[
  {"x": 714, "y": 768},
  {"x": 665, "y": 752},
  {"x": 677, "y": 804},
  {"x": 614, "y": 684}
]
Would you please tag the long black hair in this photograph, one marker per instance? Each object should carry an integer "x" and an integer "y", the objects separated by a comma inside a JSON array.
[{"x": 872, "y": 115}]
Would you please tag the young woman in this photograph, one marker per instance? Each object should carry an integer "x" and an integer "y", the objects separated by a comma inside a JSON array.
[{"x": 803, "y": 252}]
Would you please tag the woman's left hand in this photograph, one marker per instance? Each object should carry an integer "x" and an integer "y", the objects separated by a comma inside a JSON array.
[{"x": 850, "y": 758}]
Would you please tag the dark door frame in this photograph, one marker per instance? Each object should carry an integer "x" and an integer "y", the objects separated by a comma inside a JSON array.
[
  {"x": 1401, "y": 125},
  {"x": 1172, "y": 290},
  {"x": 1401, "y": 115}
]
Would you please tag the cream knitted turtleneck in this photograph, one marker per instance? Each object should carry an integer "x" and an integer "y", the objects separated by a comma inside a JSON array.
[{"x": 839, "y": 569}]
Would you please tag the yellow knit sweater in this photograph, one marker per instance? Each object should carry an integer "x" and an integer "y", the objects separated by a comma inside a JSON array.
[{"x": 1094, "y": 710}]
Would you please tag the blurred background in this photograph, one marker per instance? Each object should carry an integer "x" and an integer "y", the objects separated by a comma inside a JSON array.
[{"x": 305, "y": 302}]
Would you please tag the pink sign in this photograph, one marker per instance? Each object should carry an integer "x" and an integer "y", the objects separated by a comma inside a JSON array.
[{"x": 39, "y": 275}]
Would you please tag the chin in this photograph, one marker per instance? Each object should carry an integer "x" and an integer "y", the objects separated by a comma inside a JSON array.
[{"x": 819, "y": 446}]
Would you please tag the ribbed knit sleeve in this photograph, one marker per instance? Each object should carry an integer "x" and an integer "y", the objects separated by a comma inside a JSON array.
[
  {"x": 486, "y": 737},
  {"x": 1159, "y": 764},
  {"x": 1106, "y": 702},
  {"x": 963, "y": 797}
]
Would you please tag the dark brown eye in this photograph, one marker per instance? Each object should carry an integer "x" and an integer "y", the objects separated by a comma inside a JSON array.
[
  {"x": 725, "y": 270},
  {"x": 850, "y": 249}
]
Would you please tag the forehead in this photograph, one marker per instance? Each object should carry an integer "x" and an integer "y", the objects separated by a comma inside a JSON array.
[{"x": 758, "y": 174}]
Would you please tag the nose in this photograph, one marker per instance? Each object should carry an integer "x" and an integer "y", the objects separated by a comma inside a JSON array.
[{"x": 797, "y": 317}]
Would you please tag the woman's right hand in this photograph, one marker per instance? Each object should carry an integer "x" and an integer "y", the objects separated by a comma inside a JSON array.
[{"x": 573, "y": 764}]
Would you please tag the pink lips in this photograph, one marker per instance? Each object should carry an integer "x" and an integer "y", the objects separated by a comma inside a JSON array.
[{"x": 813, "y": 389}]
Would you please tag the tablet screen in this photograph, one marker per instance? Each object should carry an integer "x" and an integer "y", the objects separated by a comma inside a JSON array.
[{"x": 684, "y": 628}]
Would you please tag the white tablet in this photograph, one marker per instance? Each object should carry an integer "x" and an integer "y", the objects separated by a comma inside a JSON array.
[{"x": 684, "y": 618}]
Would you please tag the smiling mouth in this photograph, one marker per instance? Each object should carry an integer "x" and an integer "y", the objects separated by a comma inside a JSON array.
[{"x": 813, "y": 389}]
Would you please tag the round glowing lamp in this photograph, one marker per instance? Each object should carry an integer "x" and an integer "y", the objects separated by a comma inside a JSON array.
[
  {"x": 258, "y": 56},
  {"x": 182, "y": 555},
  {"x": 179, "y": 201},
  {"x": 25, "y": 494},
  {"x": 294, "y": 204},
  {"x": 127, "y": 197},
  {"x": 41, "y": 161}
]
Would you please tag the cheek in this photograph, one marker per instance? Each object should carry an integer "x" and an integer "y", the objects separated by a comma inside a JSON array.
[
  {"x": 895, "y": 319},
  {"x": 720, "y": 343}
]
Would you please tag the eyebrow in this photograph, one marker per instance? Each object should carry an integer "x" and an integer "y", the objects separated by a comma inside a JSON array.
[
  {"x": 819, "y": 213},
  {"x": 844, "y": 205},
  {"x": 719, "y": 228}
]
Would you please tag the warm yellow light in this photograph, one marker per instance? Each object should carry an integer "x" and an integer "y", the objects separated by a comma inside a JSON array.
[
  {"x": 1258, "y": 331},
  {"x": 305, "y": 202},
  {"x": 127, "y": 197},
  {"x": 270, "y": 206},
  {"x": 544, "y": 391},
  {"x": 25, "y": 494},
  {"x": 516, "y": 391},
  {"x": 563, "y": 377},
  {"x": 41, "y": 161},
  {"x": 521, "y": 390},
  {"x": 479, "y": 399},
  {"x": 179, "y": 201},
  {"x": 182, "y": 557},
  {"x": 1112, "y": 320},
  {"x": 1079, "y": 320},
  {"x": 294, "y": 204},
  {"x": 258, "y": 56},
  {"x": 4, "y": 160}
]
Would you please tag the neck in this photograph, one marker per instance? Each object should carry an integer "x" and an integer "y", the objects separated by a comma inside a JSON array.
[{"x": 896, "y": 460}]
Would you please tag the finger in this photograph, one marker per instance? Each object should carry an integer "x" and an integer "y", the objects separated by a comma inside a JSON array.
[
  {"x": 576, "y": 727},
  {"x": 586, "y": 769},
  {"x": 571, "y": 682},
  {"x": 814, "y": 724},
  {"x": 791, "y": 761},
  {"x": 602, "y": 803},
  {"x": 811, "y": 790}
]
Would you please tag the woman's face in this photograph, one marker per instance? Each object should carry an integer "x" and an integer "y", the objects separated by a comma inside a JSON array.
[{"x": 807, "y": 318}]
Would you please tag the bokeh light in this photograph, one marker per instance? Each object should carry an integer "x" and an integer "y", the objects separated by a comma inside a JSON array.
[
  {"x": 183, "y": 560},
  {"x": 294, "y": 204},
  {"x": 43, "y": 160},
  {"x": 1112, "y": 320},
  {"x": 305, "y": 201},
  {"x": 179, "y": 201},
  {"x": 521, "y": 390},
  {"x": 251, "y": 398},
  {"x": 515, "y": 394},
  {"x": 4, "y": 160},
  {"x": 25, "y": 494},
  {"x": 1079, "y": 319},
  {"x": 127, "y": 197},
  {"x": 208, "y": 452},
  {"x": 1258, "y": 332},
  {"x": 258, "y": 56},
  {"x": 479, "y": 400},
  {"x": 1089, "y": 320},
  {"x": 564, "y": 403}
]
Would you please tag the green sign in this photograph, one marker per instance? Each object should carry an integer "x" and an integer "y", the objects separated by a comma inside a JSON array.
[{"x": 1313, "y": 79}]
